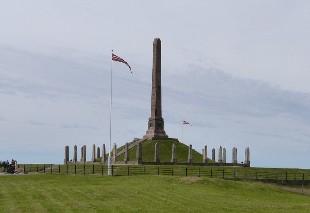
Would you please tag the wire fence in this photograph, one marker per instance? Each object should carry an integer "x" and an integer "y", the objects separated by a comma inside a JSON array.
[{"x": 234, "y": 173}]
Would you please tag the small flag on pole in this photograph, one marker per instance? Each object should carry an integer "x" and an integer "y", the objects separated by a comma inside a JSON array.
[
  {"x": 119, "y": 59},
  {"x": 186, "y": 123}
]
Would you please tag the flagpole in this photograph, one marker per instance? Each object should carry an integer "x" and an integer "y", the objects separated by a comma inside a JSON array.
[{"x": 111, "y": 92}]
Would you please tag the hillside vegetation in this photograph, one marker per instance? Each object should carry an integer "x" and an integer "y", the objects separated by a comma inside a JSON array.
[{"x": 58, "y": 193}]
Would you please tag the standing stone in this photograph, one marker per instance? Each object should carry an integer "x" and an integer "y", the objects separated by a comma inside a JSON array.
[
  {"x": 205, "y": 154},
  {"x": 139, "y": 153},
  {"x": 75, "y": 154},
  {"x": 94, "y": 153},
  {"x": 126, "y": 156},
  {"x": 156, "y": 153},
  {"x": 66, "y": 160},
  {"x": 234, "y": 156},
  {"x": 224, "y": 155},
  {"x": 190, "y": 157},
  {"x": 173, "y": 154},
  {"x": 103, "y": 158},
  {"x": 213, "y": 155},
  {"x": 114, "y": 153},
  {"x": 98, "y": 152},
  {"x": 220, "y": 155},
  {"x": 247, "y": 156},
  {"x": 82, "y": 153},
  {"x": 156, "y": 122}
]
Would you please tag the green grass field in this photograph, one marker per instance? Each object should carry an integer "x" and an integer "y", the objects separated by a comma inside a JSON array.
[{"x": 59, "y": 193}]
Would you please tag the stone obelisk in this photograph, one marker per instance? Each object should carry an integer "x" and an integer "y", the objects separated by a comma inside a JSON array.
[{"x": 156, "y": 122}]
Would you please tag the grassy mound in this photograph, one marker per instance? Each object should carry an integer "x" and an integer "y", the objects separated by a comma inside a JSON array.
[
  {"x": 165, "y": 145},
  {"x": 47, "y": 193}
]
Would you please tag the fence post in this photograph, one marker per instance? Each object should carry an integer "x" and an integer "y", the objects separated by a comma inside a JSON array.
[
  {"x": 67, "y": 168},
  {"x": 186, "y": 171},
  {"x": 59, "y": 168},
  {"x": 51, "y": 168},
  {"x": 172, "y": 172},
  {"x": 223, "y": 174},
  {"x": 24, "y": 169},
  {"x": 93, "y": 168},
  {"x": 112, "y": 169},
  {"x": 127, "y": 170},
  {"x": 211, "y": 173},
  {"x": 44, "y": 168},
  {"x": 286, "y": 176},
  {"x": 37, "y": 168},
  {"x": 157, "y": 170},
  {"x": 84, "y": 169},
  {"x": 75, "y": 168},
  {"x": 102, "y": 169}
]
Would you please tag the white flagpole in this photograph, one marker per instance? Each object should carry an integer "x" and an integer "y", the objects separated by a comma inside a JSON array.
[{"x": 111, "y": 92}]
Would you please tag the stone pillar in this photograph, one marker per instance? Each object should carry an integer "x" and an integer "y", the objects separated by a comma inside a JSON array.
[
  {"x": 93, "y": 158},
  {"x": 224, "y": 155},
  {"x": 84, "y": 154},
  {"x": 173, "y": 154},
  {"x": 156, "y": 153},
  {"x": 66, "y": 159},
  {"x": 213, "y": 155},
  {"x": 75, "y": 154},
  {"x": 139, "y": 153},
  {"x": 234, "y": 156},
  {"x": 98, "y": 152},
  {"x": 126, "y": 155},
  {"x": 220, "y": 155},
  {"x": 190, "y": 157},
  {"x": 156, "y": 122},
  {"x": 114, "y": 153},
  {"x": 103, "y": 158},
  {"x": 247, "y": 156},
  {"x": 205, "y": 154}
]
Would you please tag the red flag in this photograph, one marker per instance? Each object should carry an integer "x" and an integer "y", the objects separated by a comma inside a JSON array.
[{"x": 119, "y": 59}]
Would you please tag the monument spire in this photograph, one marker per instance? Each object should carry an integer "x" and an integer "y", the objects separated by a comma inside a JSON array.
[{"x": 156, "y": 122}]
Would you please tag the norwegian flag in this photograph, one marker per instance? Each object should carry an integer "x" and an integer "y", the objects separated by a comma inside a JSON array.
[
  {"x": 119, "y": 59},
  {"x": 186, "y": 123}
]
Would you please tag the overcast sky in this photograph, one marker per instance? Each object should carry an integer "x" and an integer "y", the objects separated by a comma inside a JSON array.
[{"x": 239, "y": 71}]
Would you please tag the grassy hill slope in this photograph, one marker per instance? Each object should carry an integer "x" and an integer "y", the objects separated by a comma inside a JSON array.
[
  {"x": 47, "y": 193},
  {"x": 165, "y": 151}
]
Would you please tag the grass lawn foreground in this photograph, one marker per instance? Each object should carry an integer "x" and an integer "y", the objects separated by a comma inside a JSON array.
[{"x": 58, "y": 193}]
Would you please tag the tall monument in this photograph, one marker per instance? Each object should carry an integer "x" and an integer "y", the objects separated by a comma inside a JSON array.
[{"x": 156, "y": 122}]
